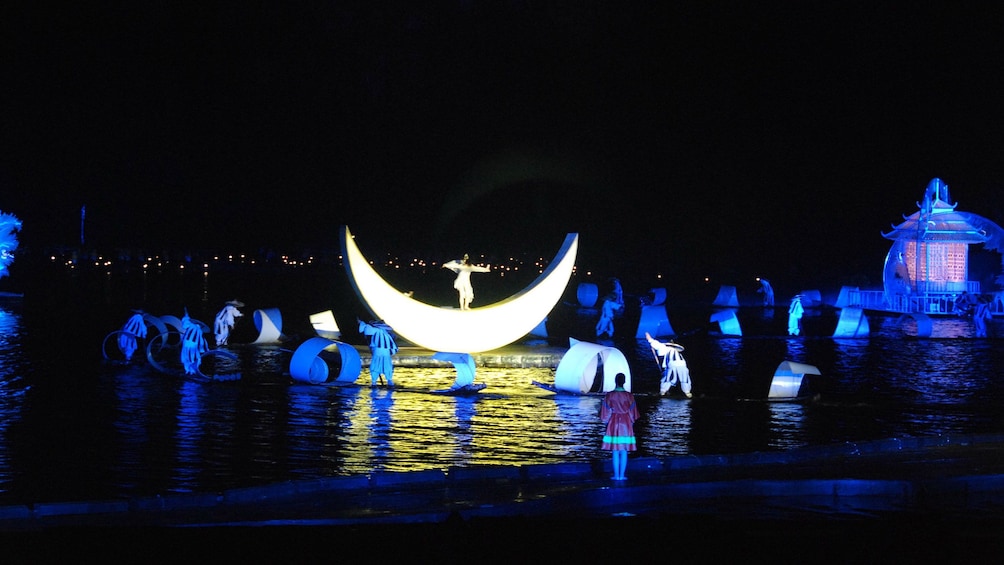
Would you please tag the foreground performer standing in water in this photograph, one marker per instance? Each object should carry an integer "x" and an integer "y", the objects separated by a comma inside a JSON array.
[
  {"x": 619, "y": 412},
  {"x": 382, "y": 347},
  {"x": 462, "y": 283},
  {"x": 193, "y": 345},
  {"x": 795, "y": 312},
  {"x": 133, "y": 330}
]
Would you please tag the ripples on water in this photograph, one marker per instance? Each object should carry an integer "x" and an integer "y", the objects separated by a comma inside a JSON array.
[{"x": 72, "y": 427}]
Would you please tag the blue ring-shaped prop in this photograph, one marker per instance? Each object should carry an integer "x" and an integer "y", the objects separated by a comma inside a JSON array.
[
  {"x": 211, "y": 353},
  {"x": 924, "y": 323},
  {"x": 163, "y": 341},
  {"x": 307, "y": 367},
  {"x": 116, "y": 333}
]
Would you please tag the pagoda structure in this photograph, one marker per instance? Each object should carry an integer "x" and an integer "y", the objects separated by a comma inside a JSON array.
[{"x": 927, "y": 267}]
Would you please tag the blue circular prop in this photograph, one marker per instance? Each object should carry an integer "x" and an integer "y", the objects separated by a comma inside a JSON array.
[{"x": 306, "y": 367}]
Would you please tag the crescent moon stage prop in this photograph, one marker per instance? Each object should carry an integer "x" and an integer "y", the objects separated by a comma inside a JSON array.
[{"x": 451, "y": 329}]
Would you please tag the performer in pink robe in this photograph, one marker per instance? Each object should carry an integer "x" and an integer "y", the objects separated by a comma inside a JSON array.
[{"x": 619, "y": 412}]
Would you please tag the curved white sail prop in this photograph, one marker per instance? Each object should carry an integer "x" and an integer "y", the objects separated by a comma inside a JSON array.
[
  {"x": 577, "y": 368},
  {"x": 451, "y": 329},
  {"x": 268, "y": 322}
]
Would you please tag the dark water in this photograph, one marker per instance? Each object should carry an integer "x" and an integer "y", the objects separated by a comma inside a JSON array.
[{"x": 74, "y": 427}]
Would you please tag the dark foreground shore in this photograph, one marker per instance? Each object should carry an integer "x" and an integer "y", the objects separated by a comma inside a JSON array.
[{"x": 922, "y": 498}]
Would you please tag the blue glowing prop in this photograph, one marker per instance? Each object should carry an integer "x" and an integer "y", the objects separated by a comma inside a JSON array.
[
  {"x": 653, "y": 319},
  {"x": 307, "y": 367},
  {"x": 9, "y": 226},
  {"x": 463, "y": 363}
]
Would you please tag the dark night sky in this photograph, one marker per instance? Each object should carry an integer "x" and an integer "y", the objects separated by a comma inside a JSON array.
[{"x": 761, "y": 138}]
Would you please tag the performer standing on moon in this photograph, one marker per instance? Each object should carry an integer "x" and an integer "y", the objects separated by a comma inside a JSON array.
[{"x": 462, "y": 283}]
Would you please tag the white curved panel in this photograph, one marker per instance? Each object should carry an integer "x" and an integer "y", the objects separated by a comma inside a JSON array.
[
  {"x": 577, "y": 368},
  {"x": 268, "y": 322}
]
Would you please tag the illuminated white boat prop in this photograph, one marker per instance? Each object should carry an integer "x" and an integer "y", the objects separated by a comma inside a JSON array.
[
  {"x": 577, "y": 369},
  {"x": 787, "y": 381}
]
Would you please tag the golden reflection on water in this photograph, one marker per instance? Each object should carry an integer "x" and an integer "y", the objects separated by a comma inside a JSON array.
[{"x": 407, "y": 427}]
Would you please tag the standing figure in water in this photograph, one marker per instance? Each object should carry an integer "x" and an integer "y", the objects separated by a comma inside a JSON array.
[
  {"x": 193, "y": 345},
  {"x": 133, "y": 330},
  {"x": 795, "y": 312},
  {"x": 981, "y": 315},
  {"x": 382, "y": 346},
  {"x": 674, "y": 366},
  {"x": 613, "y": 303},
  {"x": 462, "y": 283},
  {"x": 768, "y": 292},
  {"x": 619, "y": 412},
  {"x": 225, "y": 321}
]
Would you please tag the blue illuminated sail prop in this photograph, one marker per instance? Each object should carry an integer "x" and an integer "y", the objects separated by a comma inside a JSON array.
[{"x": 9, "y": 226}]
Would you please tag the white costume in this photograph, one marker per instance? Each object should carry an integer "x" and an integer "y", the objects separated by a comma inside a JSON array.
[
  {"x": 463, "y": 281},
  {"x": 225, "y": 321},
  {"x": 674, "y": 366}
]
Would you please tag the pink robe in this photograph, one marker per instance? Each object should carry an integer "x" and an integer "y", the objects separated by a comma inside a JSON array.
[{"x": 619, "y": 412}]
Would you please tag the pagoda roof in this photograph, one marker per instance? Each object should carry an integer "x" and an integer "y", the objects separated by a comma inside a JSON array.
[{"x": 937, "y": 220}]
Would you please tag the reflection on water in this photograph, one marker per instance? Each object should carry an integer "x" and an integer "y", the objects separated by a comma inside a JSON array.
[
  {"x": 74, "y": 428},
  {"x": 12, "y": 385}
]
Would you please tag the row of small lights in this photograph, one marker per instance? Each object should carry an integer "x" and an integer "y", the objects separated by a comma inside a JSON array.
[
  {"x": 157, "y": 262},
  {"x": 514, "y": 265},
  {"x": 416, "y": 263}
]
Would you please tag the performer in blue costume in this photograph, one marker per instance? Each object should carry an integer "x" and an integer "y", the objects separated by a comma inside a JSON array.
[
  {"x": 795, "y": 312},
  {"x": 767, "y": 291},
  {"x": 613, "y": 302},
  {"x": 462, "y": 283},
  {"x": 981, "y": 315},
  {"x": 382, "y": 346},
  {"x": 193, "y": 345},
  {"x": 225, "y": 321},
  {"x": 133, "y": 330}
]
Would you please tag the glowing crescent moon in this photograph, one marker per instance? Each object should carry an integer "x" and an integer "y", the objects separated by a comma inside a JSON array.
[{"x": 451, "y": 329}]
